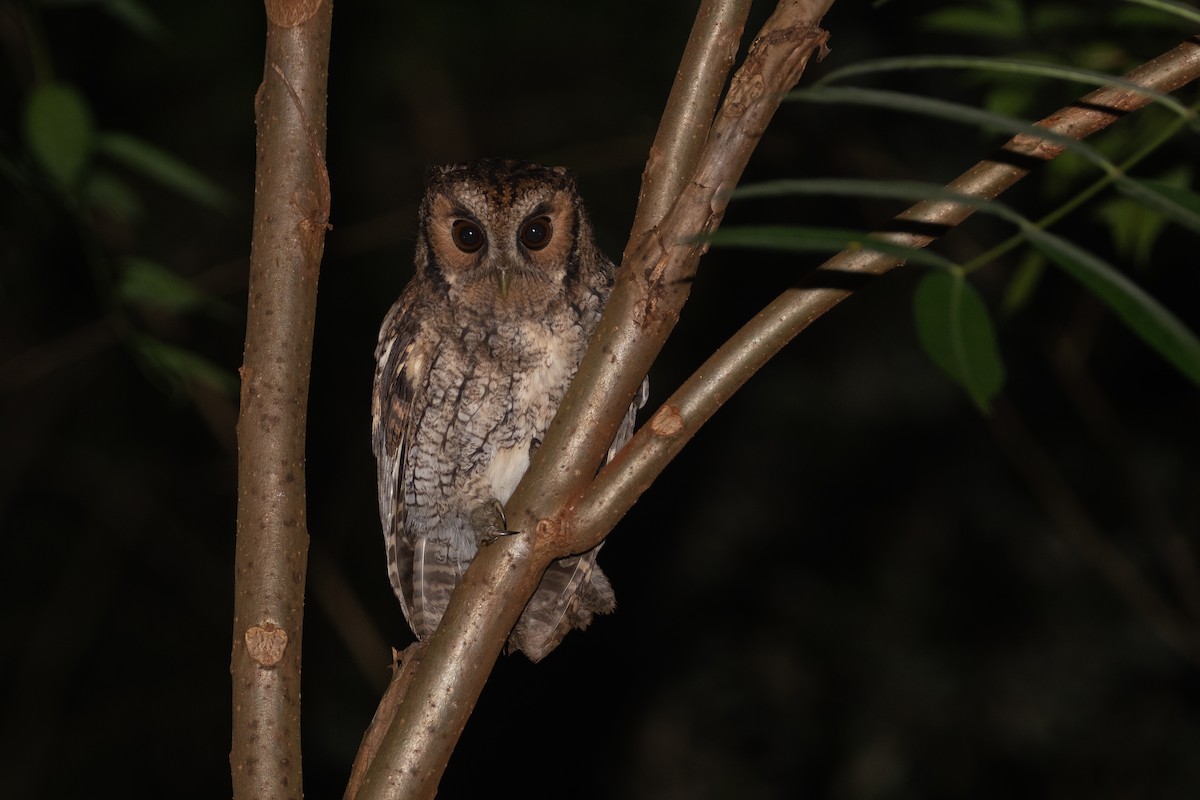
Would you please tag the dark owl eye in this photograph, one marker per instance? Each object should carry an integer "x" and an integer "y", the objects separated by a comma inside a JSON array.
[
  {"x": 467, "y": 236},
  {"x": 535, "y": 234}
]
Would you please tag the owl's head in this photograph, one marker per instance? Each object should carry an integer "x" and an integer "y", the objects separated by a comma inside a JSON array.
[{"x": 502, "y": 232}]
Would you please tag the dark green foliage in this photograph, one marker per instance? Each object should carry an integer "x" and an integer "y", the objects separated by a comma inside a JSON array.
[{"x": 956, "y": 331}]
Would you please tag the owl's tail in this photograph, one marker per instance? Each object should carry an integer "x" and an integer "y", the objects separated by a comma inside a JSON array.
[{"x": 571, "y": 592}]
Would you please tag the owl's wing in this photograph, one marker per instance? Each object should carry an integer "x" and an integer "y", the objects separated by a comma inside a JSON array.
[
  {"x": 396, "y": 373},
  {"x": 573, "y": 589}
]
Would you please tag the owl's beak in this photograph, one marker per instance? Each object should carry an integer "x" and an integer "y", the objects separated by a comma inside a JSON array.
[{"x": 503, "y": 277}]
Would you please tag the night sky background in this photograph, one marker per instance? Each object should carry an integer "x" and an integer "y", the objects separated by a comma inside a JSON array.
[{"x": 847, "y": 586}]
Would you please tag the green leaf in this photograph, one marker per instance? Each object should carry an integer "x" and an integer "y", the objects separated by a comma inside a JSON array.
[
  {"x": 1023, "y": 283},
  {"x": 1011, "y": 100},
  {"x": 1177, "y": 203},
  {"x": 146, "y": 283},
  {"x": 163, "y": 168},
  {"x": 110, "y": 195},
  {"x": 1005, "y": 66},
  {"x": 58, "y": 131},
  {"x": 1183, "y": 10},
  {"x": 185, "y": 367},
  {"x": 1180, "y": 195},
  {"x": 1001, "y": 18},
  {"x": 857, "y": 187},
  {"x": 944, "y": 109},
  {"x": 1134, "y": 228},
  {"x": 1129, "y": 18},
  {"x": 955, "y": 329},
  {"x": 1144, "y": 315},
  {"x": 822, "y": 240},
  {"x": 136, "y": 17},
  {"x": 1055, "y": 17}
]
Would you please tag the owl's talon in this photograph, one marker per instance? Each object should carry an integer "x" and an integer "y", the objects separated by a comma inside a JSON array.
[{"x": 493, "y": 525}]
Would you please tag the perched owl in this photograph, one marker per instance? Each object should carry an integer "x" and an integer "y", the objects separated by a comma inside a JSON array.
[{"x": 472, "y": 362}]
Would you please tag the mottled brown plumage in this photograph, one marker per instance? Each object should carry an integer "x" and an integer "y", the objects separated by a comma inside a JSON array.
[{"x": 472, "y": 362}]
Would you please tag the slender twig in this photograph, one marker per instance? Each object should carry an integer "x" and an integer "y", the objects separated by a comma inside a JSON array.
[
  {"x": 620, "y": 483},
  {"x": 290, "y": 215},
  {"x": 652, "y": 285}
]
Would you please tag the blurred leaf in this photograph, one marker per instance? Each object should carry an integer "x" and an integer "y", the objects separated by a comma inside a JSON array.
[
  {"x": 108, "y": 193},
  {"x": 1175, "y": 189},
  {"x": 1153, "y": 323},
  {"x": 1000, "y": 18},
  {"x": 956, "y": 331},
  {"x": 1024, "y": 281},
  {"x": 1054, "y": 17},
  {"x": 151, "y": 285},
  {"x": 1127, "y": 18},
  {"x": 822, "y": 240},
  {"x": 1178, "y": 203},
  {"x": 1011, "y": 66},
  {"x": 1145, "y": 132},
  {"x": 944, "y": 109},
  {"x": 1134, "y": 228},
  {"x": 1156, "y": 326},
  {"x": 184, "y": 367},
  {"x": 58, "y": 131},
  {"x": 136, "y": 17},
  {"x": 857, "y": 187},
  {"x": 1182, "y": 10},
  {"x": 1101, "y": 54},
  {"x": 1063, "y": 176},
  {"x": 163, "y": 168},
  {"x": 1013, "y": 100}
]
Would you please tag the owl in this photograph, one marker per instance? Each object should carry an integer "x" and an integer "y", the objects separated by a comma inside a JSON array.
[{"x": 472, "y": 362}]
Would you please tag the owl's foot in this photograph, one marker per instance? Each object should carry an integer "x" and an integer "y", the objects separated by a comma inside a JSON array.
[{"x": 490, "y": 523}]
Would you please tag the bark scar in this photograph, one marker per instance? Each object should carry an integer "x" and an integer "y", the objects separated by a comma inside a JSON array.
[{"x": 266, "y": 643}]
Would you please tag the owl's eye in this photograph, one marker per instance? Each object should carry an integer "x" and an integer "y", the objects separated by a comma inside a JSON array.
[
  {"x": 535, "y": 234},
  {"x": 467, "y": 236}
]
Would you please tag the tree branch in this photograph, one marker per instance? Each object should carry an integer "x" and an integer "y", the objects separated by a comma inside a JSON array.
[
  {"x": 621, "y": 483},
  {"x": 404, "y": 666},
  {"x": 690, "y": 107},
  {"x": 659, "y": 265},
  {"x": 291, "y": 212}
]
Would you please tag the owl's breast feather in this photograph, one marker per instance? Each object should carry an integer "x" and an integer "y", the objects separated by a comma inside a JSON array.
[{"x": 536, "y": 395}]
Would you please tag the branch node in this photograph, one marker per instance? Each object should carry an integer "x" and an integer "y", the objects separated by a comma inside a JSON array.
[
  {"x": 290, "y": 13},
  {"x": 266, "y": 643},
  {"x": 667, "y": 421}
]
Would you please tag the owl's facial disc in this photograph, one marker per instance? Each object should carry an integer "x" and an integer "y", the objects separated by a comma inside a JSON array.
[{"x": 511, "y": 246}]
